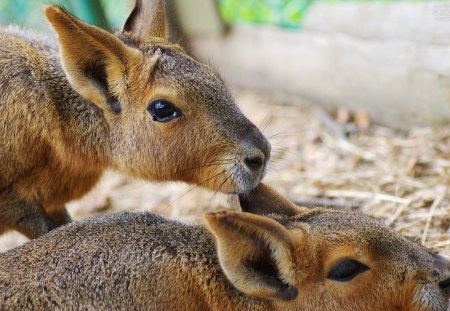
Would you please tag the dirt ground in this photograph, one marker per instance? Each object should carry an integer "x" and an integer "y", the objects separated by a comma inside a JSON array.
[{"x": 336, "y": 159}]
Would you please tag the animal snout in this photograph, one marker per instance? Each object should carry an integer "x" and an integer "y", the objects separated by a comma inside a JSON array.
[
  {"x": 256, "y": 161},
  {"x": 256, "y": 153},
  {"x": 444, "y": 283},
  {"x": 445, "y": 286}
]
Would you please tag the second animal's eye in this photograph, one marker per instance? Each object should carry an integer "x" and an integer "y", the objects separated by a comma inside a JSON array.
[
  {"x": 163, "y": 111},
  {"x": 346, "y": 270}
]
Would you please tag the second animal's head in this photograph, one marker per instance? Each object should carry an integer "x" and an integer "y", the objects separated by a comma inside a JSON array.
[
  {"x": 322, "y": 259},
  {"x": 169, "y": 116}
]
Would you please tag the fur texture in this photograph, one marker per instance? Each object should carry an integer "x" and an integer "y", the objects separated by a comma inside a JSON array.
[
  {"x": 70, "y": 112},
  {"x": 244, "y": 261}
]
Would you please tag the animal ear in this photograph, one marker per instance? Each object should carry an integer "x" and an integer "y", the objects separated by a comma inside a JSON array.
[
  {"x": 263, "y": 200},
  {"x": 255, "y": 253},
  {"x": 147, "y": 20},
  {"x": 93, "y": 59}
]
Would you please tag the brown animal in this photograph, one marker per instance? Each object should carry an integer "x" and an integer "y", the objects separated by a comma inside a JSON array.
[
  {"x": 282, "y": 258},
  {"x": 131, "y": 102}
]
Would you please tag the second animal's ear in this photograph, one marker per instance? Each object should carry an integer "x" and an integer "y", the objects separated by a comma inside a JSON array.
[
  {"x": 147, "y": 20},
  {"x": 263, "y": 200},
  {"x": 93, "y": 59},
  {"x": 255, "y": 253}
]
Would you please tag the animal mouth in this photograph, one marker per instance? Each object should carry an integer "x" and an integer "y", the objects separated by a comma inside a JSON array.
[
  {"x": 231, "y": 178},
  {"x": 245, "y": 179},
  {"x": 429, "y": 298}
]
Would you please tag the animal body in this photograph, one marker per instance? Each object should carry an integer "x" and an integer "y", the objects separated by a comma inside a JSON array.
[
  {"x": 132, "y": 102},
  {"x": 272, "y": 256}
]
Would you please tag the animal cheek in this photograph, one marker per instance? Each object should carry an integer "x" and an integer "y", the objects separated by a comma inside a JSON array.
[{"x": 426, "y": 297}]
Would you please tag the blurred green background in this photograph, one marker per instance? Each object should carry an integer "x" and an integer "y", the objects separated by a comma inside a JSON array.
[
  {"x": 108, "y": 14},
  {"x": 111, "y": 13},
  {"x": 284, "y": 13}
]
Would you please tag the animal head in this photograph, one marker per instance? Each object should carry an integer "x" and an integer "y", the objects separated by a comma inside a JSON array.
[
  {"x": 169, "y": 116},
  {"x": 321, "y": 259}
]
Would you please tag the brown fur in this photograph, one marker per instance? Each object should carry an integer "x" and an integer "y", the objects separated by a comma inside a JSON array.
[
  {"x": 245, "y": 261},
  {"x": 67, "y": 116}
]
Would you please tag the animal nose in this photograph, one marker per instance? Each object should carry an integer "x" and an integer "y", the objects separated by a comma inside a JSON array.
[
  {"x": 445, "y": 287},
  {"x": 256, "y": 153},
  {"x": 256, "y": 161},
  {"x": 444, "y": 265}
]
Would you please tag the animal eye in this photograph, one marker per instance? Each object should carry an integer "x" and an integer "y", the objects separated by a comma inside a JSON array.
[
  {"x": 163, "y": 111},
  {"x": 346, "y": 270}
]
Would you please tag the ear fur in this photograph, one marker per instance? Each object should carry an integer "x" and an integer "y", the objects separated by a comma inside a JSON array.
[
  {"x": 263, "y": 200},
  {"x": 255, "y": 252},
  {"x": 147, "y": 20},
  {"x": 94, "y": 60}
]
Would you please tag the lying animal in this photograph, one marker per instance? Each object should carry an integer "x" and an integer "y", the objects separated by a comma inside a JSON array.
[{"x": 271, "y": 256}]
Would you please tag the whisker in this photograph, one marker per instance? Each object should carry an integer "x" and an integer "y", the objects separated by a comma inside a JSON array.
[
  {"x": 273, "y": 167},
  {"x": 142, "y": 183},
  {"x": 281, "y": 135},
  {"x": 221, "y": 162},
  {"x": 194, "y": 187},
  {"x": 265, "y": 123},
  {"x": 276, "y": 165},
  {"x": 225, "y": 180},
  {"x": 277, "y": 155}
]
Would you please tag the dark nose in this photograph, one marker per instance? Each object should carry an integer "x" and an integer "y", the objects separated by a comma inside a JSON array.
[
  {"x": 256, "y": 161},
  {"x": 445, "y": 286},
  {"x": 443, "y": 264},
  {"x": 256, "y": 153}
]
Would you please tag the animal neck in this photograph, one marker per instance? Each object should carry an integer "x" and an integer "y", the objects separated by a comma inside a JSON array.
[
  {"x": 84, "y": 131},
  {"x": 199, "y": 253}
]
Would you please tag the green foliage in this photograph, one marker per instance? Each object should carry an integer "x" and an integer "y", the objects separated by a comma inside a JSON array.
[
  {"x": 284, "y": 13},
  {"x": 22, "y": 12},
  {"x": 28, "y": 13},
  {"x": 116, "y": 11}
]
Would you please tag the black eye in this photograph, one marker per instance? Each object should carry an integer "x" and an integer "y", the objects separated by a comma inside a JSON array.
[
  {"x": 346, "y": 270},
  {"x": 163, "y": 111}
]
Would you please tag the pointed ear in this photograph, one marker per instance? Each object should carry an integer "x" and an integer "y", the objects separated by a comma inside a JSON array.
[
  {"x": 147, "y": 20},
  {"x": 263, "y": 200},
  {"x": 255, "y": 253},
  {"x": 93, "y": 59}
]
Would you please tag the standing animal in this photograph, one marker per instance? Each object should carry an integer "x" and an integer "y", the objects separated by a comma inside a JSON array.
[
  {"x": 131, "y": 101},
  {"x": 273, "y": 256}
]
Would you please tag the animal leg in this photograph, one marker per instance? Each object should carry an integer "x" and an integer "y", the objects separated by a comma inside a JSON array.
[
  {"x": 60, "y": 216},
  {"x": 27, "y": 218}
]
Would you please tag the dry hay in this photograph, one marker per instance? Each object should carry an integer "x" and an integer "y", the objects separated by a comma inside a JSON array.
[{"x": 342, "y": 161}]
